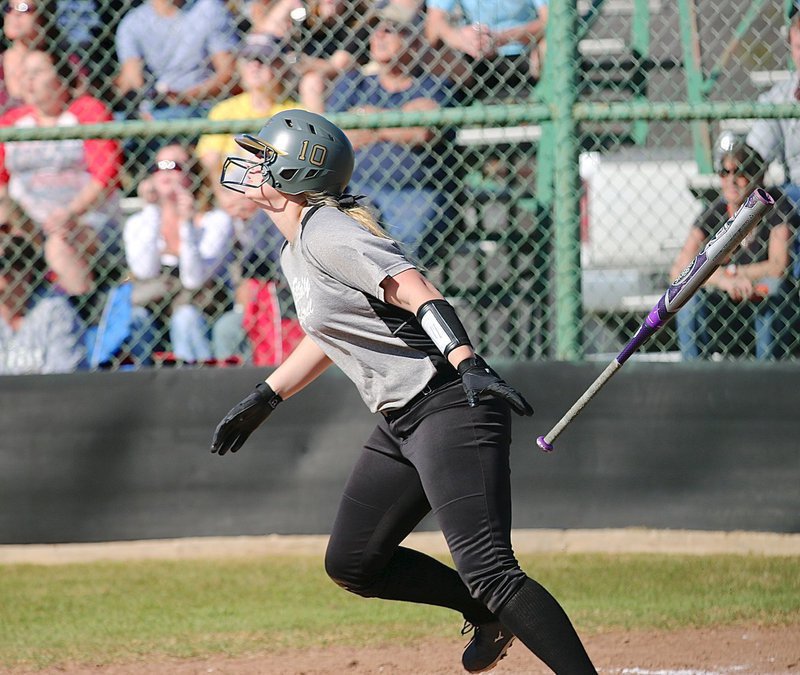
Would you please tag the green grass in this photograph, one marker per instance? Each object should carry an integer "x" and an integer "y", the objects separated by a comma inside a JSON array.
[{"x": 107, "y": 612}]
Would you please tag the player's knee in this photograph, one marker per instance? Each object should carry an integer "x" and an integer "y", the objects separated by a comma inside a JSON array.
[
  {"x": 366, "y": 588},
  {"x": 346, "y": 571}
]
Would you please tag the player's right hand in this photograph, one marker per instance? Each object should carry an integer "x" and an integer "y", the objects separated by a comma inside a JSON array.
[
  {"x": 244, "y": 418},
  {"x": 479, "y": 379}
]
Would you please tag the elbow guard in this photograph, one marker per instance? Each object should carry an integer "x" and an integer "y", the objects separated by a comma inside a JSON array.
[{"x": 439, "y": 320}]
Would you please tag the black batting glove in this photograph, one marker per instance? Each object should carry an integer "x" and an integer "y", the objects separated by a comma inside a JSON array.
[
  {"x": 479, "y": 379},
  {"x": 243, "y": 419}
]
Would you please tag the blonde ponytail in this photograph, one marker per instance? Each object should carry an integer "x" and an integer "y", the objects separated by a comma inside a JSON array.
[{"x": 362, "y": 214}]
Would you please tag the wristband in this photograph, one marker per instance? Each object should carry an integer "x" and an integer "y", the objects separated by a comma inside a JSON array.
[
  {"x": 470, "y": 362},
  {"x": 266, "y": 393},
  {"x": 439, "y": 320}
]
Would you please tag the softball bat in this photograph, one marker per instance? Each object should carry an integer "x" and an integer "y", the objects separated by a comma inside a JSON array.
[{"x": 690, "y": 279}]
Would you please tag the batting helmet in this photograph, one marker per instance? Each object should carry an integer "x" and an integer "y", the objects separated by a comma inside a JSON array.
[{"x": 297, "y": 151}]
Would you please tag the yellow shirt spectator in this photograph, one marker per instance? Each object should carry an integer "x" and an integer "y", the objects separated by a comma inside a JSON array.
[
  {"x": 262, "y": 65},
  {"x": 212, "y": 148}
]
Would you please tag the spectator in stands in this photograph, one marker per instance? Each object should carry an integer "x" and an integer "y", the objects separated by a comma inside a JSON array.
[
  {"x": 779, "y": 139},
  {"x": 399, "y": 169},
  {"x": 502, "y": 42},
  {"x": 80, "y": 21},
  {"x": 26, "y": 26},
  {"x": 274, "y": 18},
  {"x": 332, "y": 35},
  {"x": 38, "y": 333},
  {"x": 175, "y": 59},
  {"x": 88, "y": 28},
  {"x": 178, "y": 250},
  {"x": 259, "y": 63},
  {"x": 758, "y": 270},
  {"x": 68, "y": 189},
  {"x": 327, "y": 36}
]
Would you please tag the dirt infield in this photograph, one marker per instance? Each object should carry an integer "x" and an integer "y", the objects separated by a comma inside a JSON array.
[
  {"x": 707, "y": 651},
  {"x": 717, "y": 651}
]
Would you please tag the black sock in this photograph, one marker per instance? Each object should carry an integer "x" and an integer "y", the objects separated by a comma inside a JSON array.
[
  {"x": 542, "y": 625},
  {"x": 415, "y": 577}
]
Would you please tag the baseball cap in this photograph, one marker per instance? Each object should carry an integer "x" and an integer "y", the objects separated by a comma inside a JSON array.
[
  {"x": 261, "y": 48},
  {"x": 394, "y": 12},
  {"x": 732, "y": 144}
]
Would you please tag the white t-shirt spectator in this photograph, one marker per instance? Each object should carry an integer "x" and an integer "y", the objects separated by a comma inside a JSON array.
[{"x": 205, "y": 249}]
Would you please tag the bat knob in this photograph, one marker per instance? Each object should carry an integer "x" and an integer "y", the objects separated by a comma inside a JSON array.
[{"x": 544, "y": 445}]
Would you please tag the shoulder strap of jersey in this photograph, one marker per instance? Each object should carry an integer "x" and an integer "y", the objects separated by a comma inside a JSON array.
[{"x": 310, "y": 213}]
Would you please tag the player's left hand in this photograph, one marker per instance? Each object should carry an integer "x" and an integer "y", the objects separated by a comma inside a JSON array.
[{"x": 479, "y": 379}]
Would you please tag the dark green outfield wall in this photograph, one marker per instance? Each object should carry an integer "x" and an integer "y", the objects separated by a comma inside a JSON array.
[{"x": 94, "y": 457}]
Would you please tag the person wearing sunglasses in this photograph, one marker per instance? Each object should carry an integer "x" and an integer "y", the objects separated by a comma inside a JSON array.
[
  {"x": 253, "y": 329},
  {"x": 327, "y": 36},
  {"x": 755, "y": 285},
  {"x": 25, "y": 27},
  {"x": 177, "y": 250}
]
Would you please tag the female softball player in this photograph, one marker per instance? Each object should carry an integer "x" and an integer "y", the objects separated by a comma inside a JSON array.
[{"x": 444, "y": 427}]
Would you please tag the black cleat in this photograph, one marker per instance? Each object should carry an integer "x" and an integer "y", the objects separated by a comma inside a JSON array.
[{"x": 489, "y": 644}]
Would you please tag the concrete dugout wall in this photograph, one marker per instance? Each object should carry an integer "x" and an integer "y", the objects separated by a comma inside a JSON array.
[{"x": 111, "y": 456}]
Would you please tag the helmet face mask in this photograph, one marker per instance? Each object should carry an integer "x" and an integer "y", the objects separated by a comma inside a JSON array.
[
  {"x": 238, "y": 172},
  {"x": 297, "y": 152}
]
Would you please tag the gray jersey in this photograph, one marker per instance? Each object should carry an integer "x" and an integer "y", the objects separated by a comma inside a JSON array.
[
  {"x": 335, "y": 268},
  {"x": 779, "y": 139}
]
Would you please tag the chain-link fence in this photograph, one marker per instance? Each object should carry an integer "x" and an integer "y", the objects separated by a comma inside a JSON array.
[{"x": 550, "y": 167}]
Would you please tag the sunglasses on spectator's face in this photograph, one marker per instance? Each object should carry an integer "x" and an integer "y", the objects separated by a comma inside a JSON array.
[
  {"x": 391, "y": 28},
  {"x": 724, "y": 172},
  {"x": 269, "y": 61},
  {"x": 166, "y": 165},
  {"x": 20, "y": 7}
]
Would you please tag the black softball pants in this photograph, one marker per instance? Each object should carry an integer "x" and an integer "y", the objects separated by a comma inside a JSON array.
[{"x": 441, "y": 455}]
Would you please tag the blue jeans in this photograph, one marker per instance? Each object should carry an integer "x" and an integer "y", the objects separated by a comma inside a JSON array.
[
  {"x": 694, "y": 334},
  {"x": 188, "y": 333},
  {"x": 691, "y": 323},
  {"x": 792, "y": 191},
  {"x": 228, "y": 336},
  {"x": 143, "y": 336}
]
